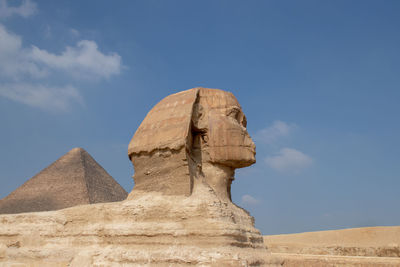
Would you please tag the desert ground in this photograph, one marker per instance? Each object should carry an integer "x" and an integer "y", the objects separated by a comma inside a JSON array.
[{"x": 368, "y": 246}]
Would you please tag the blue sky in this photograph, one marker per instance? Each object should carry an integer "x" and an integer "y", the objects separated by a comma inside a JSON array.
[{"x": 318, "y": 81}]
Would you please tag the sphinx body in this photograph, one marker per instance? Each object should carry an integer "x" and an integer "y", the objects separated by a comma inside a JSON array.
[{"x": 180, "y": 211}]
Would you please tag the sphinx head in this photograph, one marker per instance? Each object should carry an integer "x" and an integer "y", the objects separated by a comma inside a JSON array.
[{"x": 198, "y": 134}]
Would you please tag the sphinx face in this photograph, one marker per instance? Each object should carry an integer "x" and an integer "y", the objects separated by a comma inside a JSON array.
[{"x": 227, "y": 140}]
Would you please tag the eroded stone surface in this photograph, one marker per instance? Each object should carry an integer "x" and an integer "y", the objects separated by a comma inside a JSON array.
[{"x": 150, "y": 229}]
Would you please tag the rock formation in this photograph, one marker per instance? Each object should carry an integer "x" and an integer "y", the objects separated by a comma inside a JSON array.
[
  {"x": 74, "y": 179},
  {"x": 180, "y": 211}
]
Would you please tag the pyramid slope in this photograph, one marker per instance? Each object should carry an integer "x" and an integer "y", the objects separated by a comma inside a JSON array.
[
  {"x": 74, "y": 179},
  {"x": 100, "y": 185}
]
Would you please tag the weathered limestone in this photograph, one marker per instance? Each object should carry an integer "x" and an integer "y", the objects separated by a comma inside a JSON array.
[
  {"x": 153, "y": 229},
  {"x": 179, "y": 213},
  {"x": 195, "y": 136},
  {"x": 157, "y": 149},
  {"x": 75, "y": 174}
]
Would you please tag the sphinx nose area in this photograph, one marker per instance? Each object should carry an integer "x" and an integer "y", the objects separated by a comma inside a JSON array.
[{"x": 248, "y": 141}]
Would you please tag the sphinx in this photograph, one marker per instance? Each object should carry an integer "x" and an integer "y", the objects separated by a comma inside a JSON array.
[
  {"x": 197, "y": 136},
  {"x": 180, "y": 211}
]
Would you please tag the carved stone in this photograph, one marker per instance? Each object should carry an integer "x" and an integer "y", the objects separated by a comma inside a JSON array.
[{"x": 194, "y": 136}]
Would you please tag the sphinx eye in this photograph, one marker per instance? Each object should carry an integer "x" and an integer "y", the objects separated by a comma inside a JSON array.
[
  {"x": 234, "y": 113},
  {"x": 244, "y": 121}
]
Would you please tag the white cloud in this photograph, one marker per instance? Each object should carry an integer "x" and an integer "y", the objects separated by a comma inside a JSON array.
[
  {"x": 14, "y": 61},
  {"x": 289, "y": 160},
  {"x": 278, "y": 129},
  {"x": 9, "y": 42},
  {"x": 249, "y": 200},
  {"x": 24, "y": 71},
  {"x": 26, "y": 9},
  {"x": 54, "y": 98},
  {"x": 84, "y": 61}
]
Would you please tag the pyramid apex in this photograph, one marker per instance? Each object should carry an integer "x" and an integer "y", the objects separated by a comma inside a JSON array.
[{"x": 77, "y": 149}]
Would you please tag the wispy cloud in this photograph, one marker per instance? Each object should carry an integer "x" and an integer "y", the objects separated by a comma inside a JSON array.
[
  {"x": 289, "y": 160},
  {"x": 26, "y": 9},
  {"x": 26, "y": 72},
  {"x": 84, "y": 61},
  {"x": 15, "y": 62},
  {"x": 249, "y": 200},
  {"x": 53, "y": 98},
  {"x": 272, "y": 133}
]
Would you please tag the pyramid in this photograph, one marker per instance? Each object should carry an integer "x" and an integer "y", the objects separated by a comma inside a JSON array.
[{"x": 74, "y": 179}]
